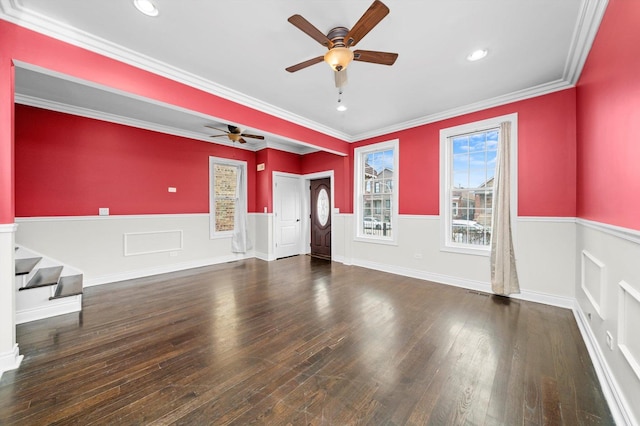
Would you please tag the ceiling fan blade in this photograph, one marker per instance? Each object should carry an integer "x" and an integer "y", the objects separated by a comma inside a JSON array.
[
  {"x": 307, "y": 63},
  {"x": 384, "y": 58},
  {"x": 242, "y": 140},
  {"x": 341, "y": 78},
  {"x": 376, "y": 12},
  {"x": 215, "y": 128},
  {"x": 246, "y": 135},
  {"x": 217, "y": 136},
  {"x": 308, "y": 28}
]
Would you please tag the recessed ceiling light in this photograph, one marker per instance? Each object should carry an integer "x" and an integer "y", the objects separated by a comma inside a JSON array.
[
  {"x": 146, "y": 6},
  {"x": 477, "y": 55}
]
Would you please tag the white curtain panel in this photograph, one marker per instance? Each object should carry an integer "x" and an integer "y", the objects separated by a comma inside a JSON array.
[
  {"x": 504, "y": 277},
  {"x": 240, "y": 242}
]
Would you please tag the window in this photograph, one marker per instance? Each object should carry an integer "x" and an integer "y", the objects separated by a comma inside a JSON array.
[
  {"x": 225, "y": 189},
  {"x": 468, "y": 161},
  {"x": 376, "y": 204}
]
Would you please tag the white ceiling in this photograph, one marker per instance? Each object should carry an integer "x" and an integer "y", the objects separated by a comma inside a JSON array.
[{"x": 239, "y": 50}]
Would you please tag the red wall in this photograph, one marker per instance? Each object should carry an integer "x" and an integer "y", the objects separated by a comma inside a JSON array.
[
  {"x": 546, "y": 157},
  {"x": 342, "y": 175},
  {"x": 608, "y": 110},
  {"x": 274, "y": 161},
  {"x": 69, "y": 165}
]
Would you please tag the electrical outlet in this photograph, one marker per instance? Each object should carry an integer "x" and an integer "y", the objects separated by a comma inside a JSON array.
[
  {"x": 609, "y": 340},
  {"x": 103, "y": 211},
  {"x": 173, "y": 253}
]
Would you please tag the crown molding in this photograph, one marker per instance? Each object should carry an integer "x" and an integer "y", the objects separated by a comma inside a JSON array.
[
  {"x": 127, "y": 121},
  {"x": 585, "y": 30},
  {"x": 12, "y": 11},
  {"x": 519, "y": 95},
  {"x": 587, "y": 24}
]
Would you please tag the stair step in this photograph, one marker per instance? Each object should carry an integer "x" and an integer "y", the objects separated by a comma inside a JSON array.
[
  {"x": 44, "y": 277},
  {"x": 24, "y": 266},
  {"x": 68, "y": 286}
]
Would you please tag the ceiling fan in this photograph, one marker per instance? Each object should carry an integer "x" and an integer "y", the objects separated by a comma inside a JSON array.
[
  {"x": 339, "y": 40},
  {"x": 235, "y": 134}
]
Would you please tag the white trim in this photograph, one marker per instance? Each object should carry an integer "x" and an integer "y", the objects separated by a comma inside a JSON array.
[
  {"x": 591, "y": 14},
  {"x": 527, "y": 295},
  {"x": 52, "y": 308},
  {"x": 10, "y": 360},
  {"x": 628, "y": 234},
  {"x": 300, "y": 148},
  {"x": 126, "y": 239},
  {"x": 12, "y": 12},
  {"x": 446, "y": 135},
  {"x": 547, "y": 219},
  {"x": 631, "y": 358},
  {"x": 597, "y": 304},
  {"x": 147, "y": 272},
  {"x": 8, "y": 228},
  {"x": 213, "y": 234},
  {"x": 358, "y": 172},
  {"x": 420, "y": 216},
  {"x": 620, "y": 408},
  {"x": 585, "y": 32}
]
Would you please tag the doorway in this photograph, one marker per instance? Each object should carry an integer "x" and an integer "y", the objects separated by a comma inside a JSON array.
[
  {"x": 320, "y": 208},
  {"x": 287, "y": 209}
]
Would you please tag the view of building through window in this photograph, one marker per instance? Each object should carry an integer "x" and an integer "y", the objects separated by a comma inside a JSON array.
[
  {"x": 225, "y": 182},
  {"x": 377, "y": 192},
  {"x": 472, "y": 169}
]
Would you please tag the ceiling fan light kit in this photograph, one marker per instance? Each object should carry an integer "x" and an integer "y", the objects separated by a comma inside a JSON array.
[{"x": 338, "y": 58}]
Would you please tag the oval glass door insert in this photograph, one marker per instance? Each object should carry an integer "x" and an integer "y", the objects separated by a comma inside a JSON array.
[{"x": 322, "y": 207}]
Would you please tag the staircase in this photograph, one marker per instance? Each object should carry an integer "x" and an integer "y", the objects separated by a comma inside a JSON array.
[{"x": 45, "y": 287}]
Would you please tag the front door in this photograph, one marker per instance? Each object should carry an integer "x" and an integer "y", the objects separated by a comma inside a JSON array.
[
  {"x": 321, "y": 218},
  {"x": 287, "y": 209}
]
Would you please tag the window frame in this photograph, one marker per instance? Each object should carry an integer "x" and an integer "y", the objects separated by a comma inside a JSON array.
[
  {"x": 359, "y": 186},
  {"x": 212, "y": 201},
  {"x": 446, "y": 138}
]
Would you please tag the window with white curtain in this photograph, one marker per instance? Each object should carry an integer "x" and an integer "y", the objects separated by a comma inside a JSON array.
[
  {"x": 468, "y": 156},
  {"x": 223, "y": 194}
]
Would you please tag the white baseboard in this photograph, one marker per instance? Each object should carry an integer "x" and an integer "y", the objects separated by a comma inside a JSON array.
[
  {"x": 156, "y": 270},
  {"x": 10, "y": 360},
  {"x": 531, "y": 296},
  {"x": 53, "y": 308},
  {"x": 614, "y": 396},
  {"x": 265, "y": 256}
]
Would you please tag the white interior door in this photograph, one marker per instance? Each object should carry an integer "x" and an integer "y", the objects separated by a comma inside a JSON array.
[{"x": 287, "y": 206}]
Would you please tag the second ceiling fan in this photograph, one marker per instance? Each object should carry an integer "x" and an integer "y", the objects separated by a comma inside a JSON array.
[{"x": 339, "y": 40}]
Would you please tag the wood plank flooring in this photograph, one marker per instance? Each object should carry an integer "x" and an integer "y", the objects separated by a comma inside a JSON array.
[{"x": 301, "y": 341}]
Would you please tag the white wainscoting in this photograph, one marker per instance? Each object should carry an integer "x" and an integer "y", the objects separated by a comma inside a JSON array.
[
  {"x": 96, "y": 244},
  {"x": 615, "y": 251},
  {"x": 545, "y": 252}
]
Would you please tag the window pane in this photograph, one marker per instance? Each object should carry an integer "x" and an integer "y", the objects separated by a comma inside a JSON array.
[
  {"x": 472, "y": 169},
  {"x": 225, "y": 182},
  {"x": 225, "y": 211},
  {"x": 377, "y": 178}
]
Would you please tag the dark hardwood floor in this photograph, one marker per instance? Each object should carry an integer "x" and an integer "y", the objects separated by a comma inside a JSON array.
[{"x": 301, "y": 341}]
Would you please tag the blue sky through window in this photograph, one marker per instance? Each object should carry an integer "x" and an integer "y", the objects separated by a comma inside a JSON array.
[
  {"x": 380, "y": 160},
  {"x": 474, "y": 159}
]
